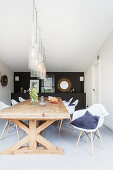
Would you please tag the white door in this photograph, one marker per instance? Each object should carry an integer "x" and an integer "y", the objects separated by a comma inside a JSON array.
[{"x": 95, "y": 83}]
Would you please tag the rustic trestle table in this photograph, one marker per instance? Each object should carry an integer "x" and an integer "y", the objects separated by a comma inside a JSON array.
[{"x": 34, "y": 113}]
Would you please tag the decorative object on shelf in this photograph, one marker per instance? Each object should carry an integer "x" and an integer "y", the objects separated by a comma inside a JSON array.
[
  {"x": 64, "y": 85},
  {"x": 25, "y": 91},
  {"x": 17, "y": 78},
  {"x": 48, "y": 84},
  {"x": 33, "y": 95},
  {"x": 35, "y": 84},
  {"x": 72, "y": 90},
  {"x": 21, "y": 90},
  {"x": 37, "y": 57},
  {"x": 4, "y": 80}
]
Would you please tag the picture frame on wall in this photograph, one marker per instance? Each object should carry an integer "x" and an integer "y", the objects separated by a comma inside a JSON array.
[{"x": 34, "y": 83}]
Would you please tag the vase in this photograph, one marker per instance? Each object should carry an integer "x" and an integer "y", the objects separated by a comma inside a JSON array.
[{"x": 34, "y": 101}]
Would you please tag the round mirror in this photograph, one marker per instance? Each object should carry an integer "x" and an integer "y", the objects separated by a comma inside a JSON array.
[{"x": 64, "y": 85}]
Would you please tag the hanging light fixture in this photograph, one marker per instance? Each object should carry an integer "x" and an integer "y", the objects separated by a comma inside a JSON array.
[{"x": 36, "y": 61}]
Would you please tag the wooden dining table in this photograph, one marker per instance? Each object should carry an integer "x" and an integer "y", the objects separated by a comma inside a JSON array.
[{"x": 35, "y": 114}]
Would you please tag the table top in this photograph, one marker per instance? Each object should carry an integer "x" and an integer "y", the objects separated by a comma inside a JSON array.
[{"x": 27, "y": 111}]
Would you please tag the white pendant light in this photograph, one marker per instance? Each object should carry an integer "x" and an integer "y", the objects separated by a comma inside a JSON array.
[{"x": 36, "y": 56}]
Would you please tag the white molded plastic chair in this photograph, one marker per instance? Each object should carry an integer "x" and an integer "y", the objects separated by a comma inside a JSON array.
[
  {"x": 97, "y": 110},
  {"x": 67, "y": 103},
  {"x": 21, "y": 99},
  {"x": 3, "y": 106},
  {"x": 75, "y": 102},
  {"x": 71, "y": 110},
  {"x": 13, "y": 102}
]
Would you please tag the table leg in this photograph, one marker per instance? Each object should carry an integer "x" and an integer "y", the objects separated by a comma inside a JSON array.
[{"x": 33, "y": 136}]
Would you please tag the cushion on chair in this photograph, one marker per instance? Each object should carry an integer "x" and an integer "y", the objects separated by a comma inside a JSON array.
[{"x": 87, "y": 121}]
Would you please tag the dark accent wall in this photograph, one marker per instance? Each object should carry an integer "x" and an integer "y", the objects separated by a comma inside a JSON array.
[{"x": 74, "y": 77}]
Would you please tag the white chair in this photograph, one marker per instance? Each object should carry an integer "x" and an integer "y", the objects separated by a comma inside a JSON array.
[
  {"x": 21, "y": 99},
  {"x": 71, "y": 110},
  {"x": 13, "y": 102},
  {"x": 75, "y": 102},
  {"x": 97, "y": 110},
  {"x": 3, "y": 106},
  {"x": 67, "y": 103}
]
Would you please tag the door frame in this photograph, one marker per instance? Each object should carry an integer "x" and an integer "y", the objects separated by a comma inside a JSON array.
[{"x": 95, "y": 63}]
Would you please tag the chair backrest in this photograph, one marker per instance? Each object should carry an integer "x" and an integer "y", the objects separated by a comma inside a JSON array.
[
  {"x": 21, "y": 99},
  {"x": 3, "y": 105},
  {"x": 13, "y": 102},
  {"x": 98, "y": 110},
  {"x": 75, "y": 102},
  {"x": 71, "y": 109},
  {"x": 70, "y": 100},
  {"x": 67, "y": 103},
  {"x": 78, "y": 113}
]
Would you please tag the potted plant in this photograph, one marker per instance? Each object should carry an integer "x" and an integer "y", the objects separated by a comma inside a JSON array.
[{"x": 33, "y": 95}]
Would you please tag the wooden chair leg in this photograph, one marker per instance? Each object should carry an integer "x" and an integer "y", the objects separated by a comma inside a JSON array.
[
  {"x": 60, "y": 125},
  {"x": 100, "y": 138},
  {"x": 87, "y": 137},
  {"x": 78, "y": 139},
  {"x": 27, "y": 122},
  {"x": 4, "y": 129},
  {"x": 92, "y": 144},
  {"x": 70, "y": 120},
  {"x": 17, "y": 132},
  {"x": 9, "y": 127}
]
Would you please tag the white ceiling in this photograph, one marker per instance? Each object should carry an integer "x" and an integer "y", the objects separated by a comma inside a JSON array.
[{"x": 72, "y": 31}]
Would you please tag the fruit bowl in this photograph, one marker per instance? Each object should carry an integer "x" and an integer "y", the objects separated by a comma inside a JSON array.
[{"x": 53, "y": 100}]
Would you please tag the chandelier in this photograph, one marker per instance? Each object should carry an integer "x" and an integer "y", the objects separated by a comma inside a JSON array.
[{"x": 37, "y": 57}]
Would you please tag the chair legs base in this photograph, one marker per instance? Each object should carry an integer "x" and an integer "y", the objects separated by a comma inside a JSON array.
[
  {"x": 59, "y": 125},
  {"x": 5, "y": 127},
  {"x": 8, "y": 124},
  {"x": 92, "y": 139}
]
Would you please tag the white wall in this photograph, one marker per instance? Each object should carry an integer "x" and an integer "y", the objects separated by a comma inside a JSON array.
[
  {"x": 5, "y": 92},
  {"x": 88, "y": 85},
  {"x": 106, "y": 79}
]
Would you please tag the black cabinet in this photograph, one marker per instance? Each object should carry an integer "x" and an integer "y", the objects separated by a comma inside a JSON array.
[{"x": 65, "y": 96}]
